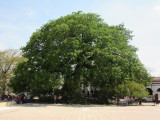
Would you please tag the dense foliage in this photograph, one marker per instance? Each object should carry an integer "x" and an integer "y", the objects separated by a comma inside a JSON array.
[{"x": 77, "y": 51}]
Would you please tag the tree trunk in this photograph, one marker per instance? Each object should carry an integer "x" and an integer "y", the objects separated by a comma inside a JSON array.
[{"x": 140, "y": 101}]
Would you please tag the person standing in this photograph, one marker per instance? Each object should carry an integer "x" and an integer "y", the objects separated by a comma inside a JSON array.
[
  {"x": 59, "y": 98},
  {"x": 55, "y": 98}
]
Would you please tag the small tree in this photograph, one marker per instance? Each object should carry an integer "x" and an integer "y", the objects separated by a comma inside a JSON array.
[
  {"x": 8, "y": 60},
  {"x": 132, "y": 89}
]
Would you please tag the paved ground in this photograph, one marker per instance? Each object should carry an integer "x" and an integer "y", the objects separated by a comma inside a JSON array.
[{"x": 79, "y": 112}]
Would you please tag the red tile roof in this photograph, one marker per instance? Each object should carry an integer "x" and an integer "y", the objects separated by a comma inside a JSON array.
[{"x": 156, "y": 80}]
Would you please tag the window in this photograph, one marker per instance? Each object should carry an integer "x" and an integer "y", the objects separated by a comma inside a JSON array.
[
  {"x": 149, "y": 90},
  {"x": 158, "y": 90}
]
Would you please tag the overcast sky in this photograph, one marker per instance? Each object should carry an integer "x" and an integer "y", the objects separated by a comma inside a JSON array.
[{"x": 20, "y": 18}]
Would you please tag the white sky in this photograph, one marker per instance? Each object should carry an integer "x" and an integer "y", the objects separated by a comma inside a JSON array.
[{"x": 19, "y": 19}]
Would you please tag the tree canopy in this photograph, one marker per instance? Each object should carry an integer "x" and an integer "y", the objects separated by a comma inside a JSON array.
[{"x": 76, "y": 51}]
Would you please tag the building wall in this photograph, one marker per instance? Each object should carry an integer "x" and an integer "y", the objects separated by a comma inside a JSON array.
[{"x": 155, "y": 85}]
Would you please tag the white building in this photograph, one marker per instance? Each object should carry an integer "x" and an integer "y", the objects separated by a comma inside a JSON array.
[{"x": 154, "y": 88}]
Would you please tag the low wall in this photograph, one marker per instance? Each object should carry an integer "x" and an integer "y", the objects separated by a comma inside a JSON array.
[{"x": 9, "y": 103}]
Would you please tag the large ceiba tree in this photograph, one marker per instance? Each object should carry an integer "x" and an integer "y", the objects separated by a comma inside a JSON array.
[{"x": 76, "y": 51}]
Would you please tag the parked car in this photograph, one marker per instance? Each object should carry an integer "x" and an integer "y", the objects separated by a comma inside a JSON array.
[{"x": 148, "y": 99}]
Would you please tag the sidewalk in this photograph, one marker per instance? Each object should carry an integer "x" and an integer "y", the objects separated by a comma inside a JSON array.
[{"x": 80, "y": 112}]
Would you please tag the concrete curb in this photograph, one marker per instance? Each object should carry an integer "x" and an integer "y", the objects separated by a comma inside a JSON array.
[{"x": 8, "y": 103}]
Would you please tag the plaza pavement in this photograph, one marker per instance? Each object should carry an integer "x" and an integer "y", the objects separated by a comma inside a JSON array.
[{"x": 79, "y": 112}]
